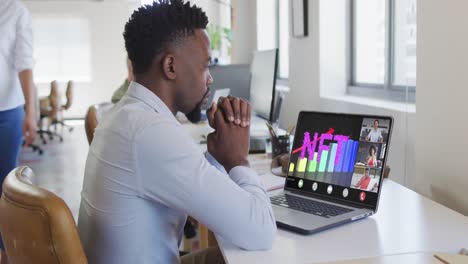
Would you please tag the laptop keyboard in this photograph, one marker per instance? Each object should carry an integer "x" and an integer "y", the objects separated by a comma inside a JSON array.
[{"x": 309, "y": 206}]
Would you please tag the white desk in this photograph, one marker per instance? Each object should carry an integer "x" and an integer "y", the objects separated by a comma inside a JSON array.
[{"x": 406, "y": 222}]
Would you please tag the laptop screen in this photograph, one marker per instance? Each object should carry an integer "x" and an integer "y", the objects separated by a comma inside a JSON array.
[{"x": 340, "y": 156}]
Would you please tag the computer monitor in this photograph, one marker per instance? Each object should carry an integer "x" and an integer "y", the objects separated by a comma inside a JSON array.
[
  {"x": 262, "y": 83},
  {"x": 233, "y": 76}
]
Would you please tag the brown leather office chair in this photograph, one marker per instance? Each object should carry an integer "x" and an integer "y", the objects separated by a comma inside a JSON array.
[
  {"x": 69, "y": 96},
  {"x": 36, "y": 225},
  {"x": 49, "y": 108},
  {"x": 92, "y": 118}
]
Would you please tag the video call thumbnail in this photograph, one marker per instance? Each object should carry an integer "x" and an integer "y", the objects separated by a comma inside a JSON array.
[
  {"x": 374, "y": 130},
  {"x": 334, "y": 158}
]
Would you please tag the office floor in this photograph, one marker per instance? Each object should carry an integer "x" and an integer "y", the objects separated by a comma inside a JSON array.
[{"x": 61, "y": 168}]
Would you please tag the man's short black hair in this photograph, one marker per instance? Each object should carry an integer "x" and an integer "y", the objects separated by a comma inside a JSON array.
[{"x": 153, "y": 28}]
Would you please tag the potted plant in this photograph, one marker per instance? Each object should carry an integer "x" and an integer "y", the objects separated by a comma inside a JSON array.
[{"x": 218, "y": 35}]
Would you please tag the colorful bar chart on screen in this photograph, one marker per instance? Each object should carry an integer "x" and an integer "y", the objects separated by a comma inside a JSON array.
[
  {"x": 291, "y": 167},
  {"x": 323, "y": 161},
  {"x": 300, "y": 166},
  {"x": 312, "y": 164},
  {"x": 353, "y": 156},
  {"x": 347, "y": 155},
  {"x": 342, "y": 153},
  {"x": 328, "y": 162},
  {"x": 331, "y": 159}
]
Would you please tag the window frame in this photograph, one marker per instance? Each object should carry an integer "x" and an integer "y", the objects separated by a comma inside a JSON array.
[
  {"x": 388, "y": 90},
  {"x": 281, "y": 80},
  {"x": 277, "y": 38}
]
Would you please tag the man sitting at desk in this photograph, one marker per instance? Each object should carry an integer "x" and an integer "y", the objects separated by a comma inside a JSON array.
[{"x": 143, "y": 178}]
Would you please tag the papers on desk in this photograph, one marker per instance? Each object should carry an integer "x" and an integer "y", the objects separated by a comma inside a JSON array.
[
  {"x": 451, "y": 258},
  {"x": 272, "y": 182},
  {"x": 413, "y": 258},
  {"x": 198, "y": 131}
]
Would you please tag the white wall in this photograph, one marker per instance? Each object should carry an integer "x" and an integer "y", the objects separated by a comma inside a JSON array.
[
  {"x": 318, "y": 78},
  {"x": 108, "y": 65},
  {"x": 304, "y": 81},
  {"x": 441, "y": 149},
  {"x": 108, "y": 68},
  {"x": 244, "y": 31}
]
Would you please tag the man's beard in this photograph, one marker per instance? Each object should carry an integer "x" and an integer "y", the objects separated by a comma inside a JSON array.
[{"x": 195, "y": 115}]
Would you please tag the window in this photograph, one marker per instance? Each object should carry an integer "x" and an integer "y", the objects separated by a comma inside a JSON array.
[
  {"x": 283, "y": 29},
  {"x": 62, "y": 49},
  {"x": 218, "y": 28},
  {"x": 383, "y": 49},
  {"x": 273, "y": 31}
]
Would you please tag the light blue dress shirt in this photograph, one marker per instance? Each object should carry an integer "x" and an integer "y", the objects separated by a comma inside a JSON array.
[{"x": 144, "y": 174}]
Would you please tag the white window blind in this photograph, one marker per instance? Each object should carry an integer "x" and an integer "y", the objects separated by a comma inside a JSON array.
[{"x": 62, "y": 49}]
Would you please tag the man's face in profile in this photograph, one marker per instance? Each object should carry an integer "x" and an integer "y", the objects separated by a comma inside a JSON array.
[
  {"x": 193, "y": 76},
  {"x": 195, "y": 115}
]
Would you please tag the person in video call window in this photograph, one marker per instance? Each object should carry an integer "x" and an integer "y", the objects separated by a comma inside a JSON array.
[
  {"x": 371, "y": 160},
  {"x": 363, "y": 183},
  {"x": 375, "y": 135}
]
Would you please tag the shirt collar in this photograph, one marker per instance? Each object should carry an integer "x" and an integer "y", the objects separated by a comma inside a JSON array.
[{"x": 143, "y": 94}]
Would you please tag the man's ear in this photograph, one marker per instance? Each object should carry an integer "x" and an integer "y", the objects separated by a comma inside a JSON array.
[{"x": 168, "y": 66}]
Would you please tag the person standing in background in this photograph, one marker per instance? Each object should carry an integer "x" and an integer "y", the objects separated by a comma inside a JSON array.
[{"x": 17, "y": 93}]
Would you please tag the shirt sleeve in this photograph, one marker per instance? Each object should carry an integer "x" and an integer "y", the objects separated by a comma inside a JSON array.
[
  {"x": 174, "y": 172},
  {"x": 24, "y": 42},
  {"x": 214, "y": 162}
]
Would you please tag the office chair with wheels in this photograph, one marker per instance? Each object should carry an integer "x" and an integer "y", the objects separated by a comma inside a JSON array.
[
  {"x": 92, "y": 117},
  {"x": 58, "y": 120},
  {"x": 49, "y": 108},
  {"x": 36, "y": 225},
  {"x": 35, "y": 148}
]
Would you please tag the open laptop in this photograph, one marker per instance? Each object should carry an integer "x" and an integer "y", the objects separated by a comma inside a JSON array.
[{"x": 335, "y": 171}]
